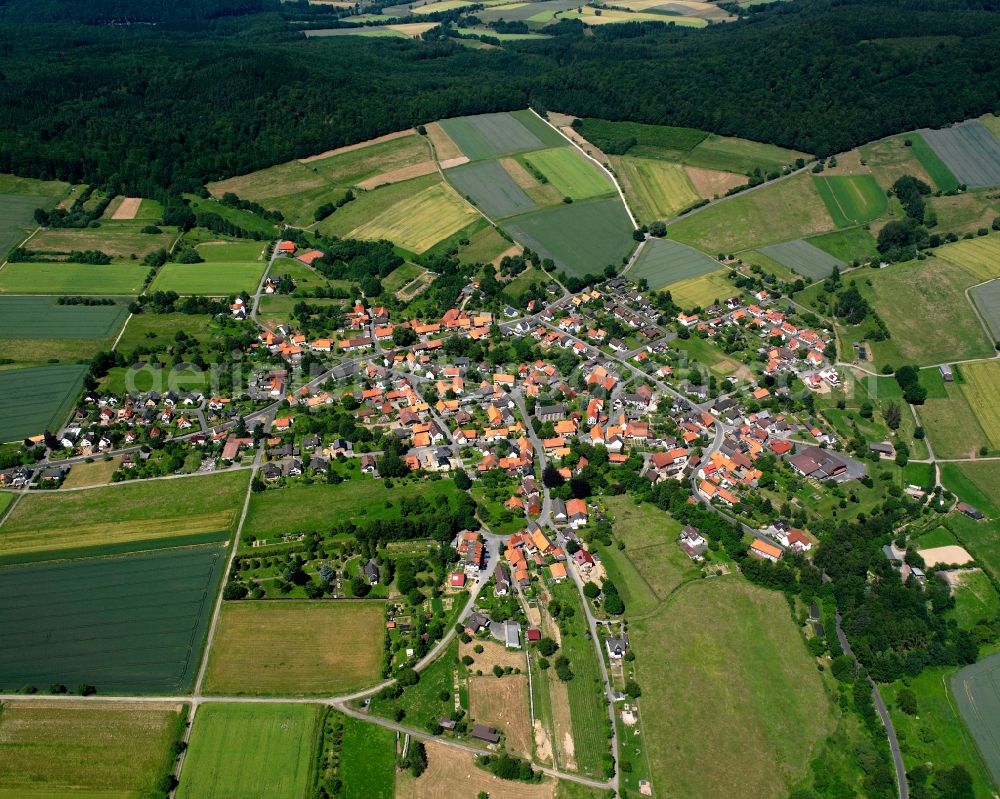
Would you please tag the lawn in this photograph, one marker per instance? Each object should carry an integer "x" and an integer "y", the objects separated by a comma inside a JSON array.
[
  {"x": 970, "y": 152},
  {"x": 789, "y": 209},
  {"x": 698, "y": 292},
  {"x": 491, "y": 135},
  {"x": 570, "y": 172},
  {"x": 663, "y": 262},
  {"x": 124, "y": 517},
  {"x": 980, "y": 257},
  {"x": 987, "y": 300},
  {"x": 134, "y": 624},
  {"x": 655, "y": 189},
  {"x": 937, "y": 170},
  {"x": 488, "y": 185},
  {"x": 56, "y": 278},
  {"x": 854, "y": 244},
  {"x": 251, "y": 752},
  {"x": 981, "y": 389},
  {"x": 91, "y": 750},
  {"x": 296, "y": 647},
  {"x": 804, "y": 259},
  {"x": 213, "y": 278},
  {"x": 367, "y": 760},
  {"x": 976, "y": 689},
  {"x": 852, "y": 199},
  {"x": 37, "y": 399},
  {"x": 754, "y": 681},
  {"x": 582, "y": 238}
]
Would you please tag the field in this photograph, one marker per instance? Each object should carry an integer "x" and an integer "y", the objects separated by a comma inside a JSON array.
[
  {"x": 980, "y": 257},
  {"x": 890, "y": 159},
  {"x": 492, "y": 135},
  {"x": 492, "y": 190},
  {"x": 969, "y": 151},
  {"x": 43, "y": 318},
  {"x": 87, "y": 475},
  {"x": 19, "y": 197},
  {"x": 729, "y": 154},
  {"x": 928, "y": 158},
  {"x": 604, "y": 134},
  {"x": 117, "y": 239},
  {"x": 590, "y": 16},
  {"x": 570, "y": 172},
  {"x": 987, "y": 300},
  {"x": 357, "y": 167},
  {"x": 291, "y": 647},
  {"x": 503, "y": 703},
  {"x": 367, "y": 760},
  {"x": 977, "y": 693},
  {"x": 663, "y": 262},
  {"x": 163, "y": 328},
  {"x": 951, "y": 426},
  {"x": 92, "y": 750},
  {"x": 976, "y": 484},
  {"x": 540, "y": 12},
  {"x": 55, "y": 278},
  {"x": 132, "y": 624},
  {"x": 981, "y": 388},
  {"x": 37, "y": 399},
  {"x": 976, "y": 599},
  {"x": 853, "y": 244},
  {"x": 124, "y": 517},
  {"x": 786, "y": 210},
  {"x": 251, "y": 752},
  {"x": 755, "y": 682},
  {"x": 582, "y": 238},
  {"x": 244, "y": 219},
  {"x": 213, "y": 278},
  {"x": 852, "y": 199},
  {"x": 803, "y": 258},
  {"x": 703, "y": 290},
  {"x": 655, "y": 189}
]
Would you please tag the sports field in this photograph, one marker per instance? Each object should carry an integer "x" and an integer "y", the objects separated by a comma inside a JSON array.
[
  {"x": 44, "y": 318},
  {"x": 296, "y": 648},
  {"x": 756, "y": 682},
  {"x": 491, "y": 135},
  {"x": 124, "y": 517},
  {"x": 491, "y": 188},
  {"x": 54, "y": 278},
  {"x": 367, "y": 760},
  {"x": 655, "y": 189},
  {"x": 417, "y": 223},
  {"x": 663, "y": 262},
  {"x": 976, "y": 689},
  {"x": 251, "y": 752},
  {"x": 987, "y": 300},
  {"x": 37, "y": 399},
  {"x": 211, "y": 278},
  {"x": 969, "y": 151},
  {"x": 84, "y": 750},
  {"x": 852, "y": 199},
  {"x": 803, "y": 258},
  {"x": 570, "y": 172},
  {"x": 702, "y": 290},
  {"x": 980, "y": 257},
  {"x": 981, "y": 389},
  {"x": 134, "y": 624},
  {"x": 581, "y": 238}
]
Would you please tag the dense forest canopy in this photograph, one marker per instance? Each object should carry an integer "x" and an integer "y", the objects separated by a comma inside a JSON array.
[{"x": 217, "y": 88}]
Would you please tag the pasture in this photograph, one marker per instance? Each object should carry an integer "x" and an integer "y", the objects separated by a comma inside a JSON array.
[
  {"x": 980, "y": 257},
  {"x": 60, "y": 278},
  {"x": 213, "y": 278},
  {"x": 852, "y": 199},
  {"x": 293, "y": 188},
  {"x": 581, "y": 238},
  {"x": 976, "y": 482},
  {"x": 367, "y": 760},
  {"x": 117, "y": 239},
  {"x": 134, "y": 624},
  {"x": 124, "y": 517},
  {"x": 655, "y": 189},
  {"x": 951, "y": 425},
  {"x": 663, "y": 262},
  {"x": 970, "y": 152},
  {"x": 503, "y": 704},
  {"x": 354, "y": 167},
  {"x": 36, "y": 399},
  {"x": 853, "y": 244},
  {"x": 976, "y": 600},
  {"x": 729, "y": 154},
  {"x": 92, "y": 750},
  {"x": 152, "y": 329},
  {"x": 939, "y": 173},
  {"x": 230, "y": 251},
  {"x": 987, "y": 300},
  {"x": 251, "y": 752},
  {"x": 296, "y": 647},
  {"x": 488, "y": 185},
  {"x": 976, "y": 689},
  {"x": 570, "y": 172},
  {"x": 703, "y": 290},
  {"x": 491, "y": 135},
  {"x": 981, "y": 389},
  {"x": 730, "y": 633},
  {"x": 965, "y": 212},
  {"x": 890, "y": 159},
  {"x": 245, "y": 219},
  {"x": 804, "y": 259}
]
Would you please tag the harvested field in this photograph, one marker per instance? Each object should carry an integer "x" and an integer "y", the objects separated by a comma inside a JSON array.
[
  {"x": 132, "y": 624},
  {"x": 491, "y": 188},
  {"x": 987, "y": 300},
  {"x": 452, "y": 772},
  {"x": 969, "y": 151},
  {"x": 296, "y": 647},
  {"x": 572, "y": 174},
  {"x": 655, "y": 189},
  {"x": 976, "y": 689},
  {"x": 88, "y": 475},
  {"x": 663, "y": 262},
  {"x": 803, "y": 259},
  {"x": 396, "y": 175},
  {"x": 981, "y": 389},
  {"x": 852, "y": 199},
  {"x": 503, "y": 703},
  {"x": 444, "y": 148},
  {"x": 91, "y": 750},
  {"x": 945, "y": 556},
  {"x": 359, "y": 146},
  {"x": 980, "y": 257},
  {"x": 61, "y": 278},
  {"x": 128, "y": 208},
  {"x": 417, "y": 223},
  {"x": 37, "y": 399},
  {"x": 711, "y": 183}
]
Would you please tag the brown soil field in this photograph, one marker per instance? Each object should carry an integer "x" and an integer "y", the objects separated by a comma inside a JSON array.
[
  {"x": 946, "y": 555},
  {"x": 449, "y": 163},
  {"x": 444, "y": 148},
  {"x": 453, "y": 773},
  {"x": 493, "y": 654},
  {"x": 503, "y": 703},
  {"x": 515, "y": 249},
  {"x": 350, "y": 147},
  {"x": 563, "y": 733},
  {"x": 711, "y": 182},
  {"x": 127, "y": 208},
  {"x": 398, "y": 175}
]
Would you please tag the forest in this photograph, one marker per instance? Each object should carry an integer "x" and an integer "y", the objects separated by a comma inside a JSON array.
[{"x": 169, "y": 96}]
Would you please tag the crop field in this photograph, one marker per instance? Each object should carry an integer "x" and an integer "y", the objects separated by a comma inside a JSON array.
[
  {"x": 43, "y": 318},
  {"x": 17, "y": 218},
  {"x": 570, "y": 172},
  {"x": 453, "y": 772},
  {"x": 854, "y": 244},
  {"x": 356, "y": 166},
  {"x": 124, "y": 517},
  {"x": 803, "y": 258},
  {"x": 117, "y": 239},
  {"x": 293, "y": 647},
  {"x": 976, "y": 689},
  {"x": 852, "y": 199},
  {"x": 730, "y": 633},
  {"x": 987, "y": 300},
  {"x": 503, "y": 703},
  {"x": 951, "y": 425},
  {"x": 212, "y": 278},
  {"x": 981, "y": 389},
  {"x": 703, "y": 290},
  {"x": 590, "y": 16},
  {"x": 663, "y": 262},
  {"x": 581, "y": 238},
  {"x": 56, "y": 278},
  {"x": 939, "y": 173},
  {"x": 490, "y": 188},
  {"x": 91, "y": 750},
  {"x": 251, "y": 752},
  {"x": 367, "y": 760},
  {"x": 542, "y": 194},
  {"x": 787, "y": 210},
  {"x": 541, "y": 12},
  {"x": 970, "y": 152},
  {"x": 980, "y": 257},
  {"x": 132, "y": 624},
  {"x": 492, "y": 135},
  {"x": 37, "y": 399},
  {"x": 655, "y": 189}
]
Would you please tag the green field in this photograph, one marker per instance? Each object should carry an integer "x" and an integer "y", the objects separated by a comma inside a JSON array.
[
  {"x": 37, "y": 399},
  {"x": 980, "y": 257},
  {"x": 951, "y": 425},
  {"x": 570, "y": 172},
  {"x": 356, "y": 166},
  {"x": 133, "y": 624},
  {"x": 491, "y": 188},
  {"x": 976, "y": 600},
  {"x": 929, "y": 160},
  {"x": 743, "y": 156},
  {"x": 703, "y": 290},
  {"x": 119, "y": 239},
  {"x": 492, "y": 135},
  {"x": 981, "y": 386},
  {"x": 251, "y": 752},
  {"x": 606, "y": 135},
  {"x": 663, "y": 262},
  {"x": 56, "y": 278},
  {"x": 124, "y": 517},
  {"x": 245, "y": 219},
  {"x": 803, "y": 258},
  {"x": 724, "y": 662},
  {"x": 852, "y": 199},
  {"x": 231, "y": 251},
  {"x": 148, "y": 330},
  {"x": 368, "y": 760},
  {"x": 853, "y": 244},
  {"x": 582, "y": 238},
  {"x": 17, "y": 217},
  {"x": 655, "y": 189},
  {"x": 44, "y": 318},
  {"x": 213, "y": 278},
  {"x": 976, "y": 484},
  {"x": 85, "y": 750},
  {"x": 976, "y": 689}
]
